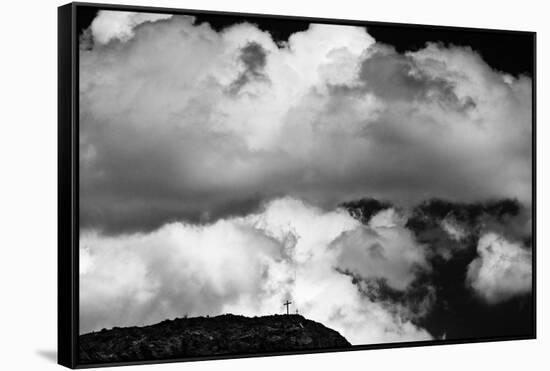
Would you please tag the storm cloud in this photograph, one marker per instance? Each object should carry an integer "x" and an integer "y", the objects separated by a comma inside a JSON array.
[{"x": 328, "y": 116}]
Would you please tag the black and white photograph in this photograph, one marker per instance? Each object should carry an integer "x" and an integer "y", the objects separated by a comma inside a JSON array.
[
  {"x": 254, "y": 185},
  {"x": 212, "y": 185}
]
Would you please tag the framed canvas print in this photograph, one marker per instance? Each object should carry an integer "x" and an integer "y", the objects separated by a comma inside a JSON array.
[{"x": 237, "y": 185}]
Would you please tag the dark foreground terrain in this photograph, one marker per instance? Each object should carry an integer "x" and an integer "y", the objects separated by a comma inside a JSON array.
[{"x": 208, "y": 336}]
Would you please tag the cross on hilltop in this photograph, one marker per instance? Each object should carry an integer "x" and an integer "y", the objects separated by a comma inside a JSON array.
[{"x": 287, "y": 303}]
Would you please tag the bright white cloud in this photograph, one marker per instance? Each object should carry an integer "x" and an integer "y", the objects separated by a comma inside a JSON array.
[
  {"x": 109, "y": 25},
  {"x": 502, "y": 270},
  {"x": 245, "y": 265}
]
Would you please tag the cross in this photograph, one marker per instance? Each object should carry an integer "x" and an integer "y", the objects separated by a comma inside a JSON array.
[{"x": 287, "y": 303}]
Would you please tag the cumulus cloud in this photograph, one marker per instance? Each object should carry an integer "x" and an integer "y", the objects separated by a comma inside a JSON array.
[
  {"x": 503, "y": 269},
  {"x": 182, "y": 122},
  {"x": 385, "y": 250},
  {"x": 246, "y": 265},
  {"x": 111, "y": 25}
]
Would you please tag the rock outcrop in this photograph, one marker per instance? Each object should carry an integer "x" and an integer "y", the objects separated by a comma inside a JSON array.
[{"x": 208, "y": 336}]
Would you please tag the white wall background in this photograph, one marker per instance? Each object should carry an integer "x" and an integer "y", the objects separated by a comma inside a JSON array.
[{"x": 28, "y": 155}]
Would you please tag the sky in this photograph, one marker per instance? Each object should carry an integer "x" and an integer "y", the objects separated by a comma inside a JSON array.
[{"x": 229, "y": 164}]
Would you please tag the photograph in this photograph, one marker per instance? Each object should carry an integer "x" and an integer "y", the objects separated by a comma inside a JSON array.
[
  {"x": 260, "y": 185},
  {"x": 210, "y": 185}
]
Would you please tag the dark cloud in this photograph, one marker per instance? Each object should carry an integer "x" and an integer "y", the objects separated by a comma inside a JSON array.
[
  {"x": 253, "y": 57},
  {"x": 365, "y": 208},
  {"x": 131, "y": 216},
  {"x": 394, "y": 76},
  {"x": 452, "y": 299},
  {"x": 506, "y": 217},
  {"x": 398, "y": 77},
  {"x": 415, "y": 303}
]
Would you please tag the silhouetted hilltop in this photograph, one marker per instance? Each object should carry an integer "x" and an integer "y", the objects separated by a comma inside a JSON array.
[{"x": 207, "y": 336}]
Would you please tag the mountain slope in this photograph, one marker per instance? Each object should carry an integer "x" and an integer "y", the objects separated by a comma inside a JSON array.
[{"x": 207, "y": 336}]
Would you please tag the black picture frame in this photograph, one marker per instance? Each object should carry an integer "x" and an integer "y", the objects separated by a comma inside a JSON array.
[{"x": 68, "y": 179}]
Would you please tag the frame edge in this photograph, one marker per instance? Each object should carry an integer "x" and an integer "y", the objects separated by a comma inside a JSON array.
[
  {"x": 66, "y": 324},
  {"x": 68, "y": 298}
]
